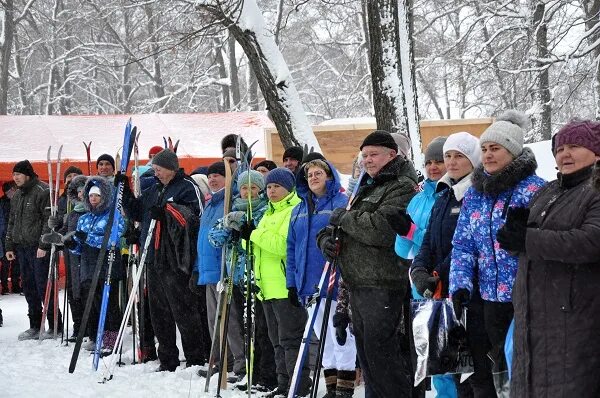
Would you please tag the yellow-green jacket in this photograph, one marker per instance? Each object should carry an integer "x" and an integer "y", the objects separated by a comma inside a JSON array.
[{"x": 270, "y": 247}]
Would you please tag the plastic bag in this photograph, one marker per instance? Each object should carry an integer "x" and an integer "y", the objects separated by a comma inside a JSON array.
[{"x": 440, "y": 339}]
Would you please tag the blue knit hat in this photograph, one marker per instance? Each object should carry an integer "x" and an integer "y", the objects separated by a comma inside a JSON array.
[{"x": 281, "y": 176}]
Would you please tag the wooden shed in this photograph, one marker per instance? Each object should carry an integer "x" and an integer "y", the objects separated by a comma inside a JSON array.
[{"x": 340, "y": 141}]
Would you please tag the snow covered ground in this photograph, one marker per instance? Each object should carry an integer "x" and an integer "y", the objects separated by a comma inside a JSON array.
[{"x": 33, "y": 368}]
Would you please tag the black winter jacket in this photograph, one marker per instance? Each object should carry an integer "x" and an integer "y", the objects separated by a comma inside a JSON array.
[
  {"x": 181, "y": 190},
  {"x": 556, "y": 344},
  {"x": 29, "y": 212},
  {"x": 436, "y": 249}
]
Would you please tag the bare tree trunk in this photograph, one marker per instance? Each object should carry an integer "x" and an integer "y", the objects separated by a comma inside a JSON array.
[
  {"x": 592, "y": 18},
  {"x": 234, "y": 88},
  {"x": 542, "y": 116},
  {"x": 246, "y": 24},
  {"x": 25, "y": 109},
  {"x": 159, "y": 88},
  {"x": 224, "y": 103},
  {"x": 6, "y": 43},
  {"x": 388, "y": 92},
  {"x": 252, "y": 89}
]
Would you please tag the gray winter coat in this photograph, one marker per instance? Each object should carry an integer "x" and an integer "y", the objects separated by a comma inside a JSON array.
[
  {"x": 367, "y": 257},
  {"x": 29, "y": 212},
  {"x": 556, "y": 351}
]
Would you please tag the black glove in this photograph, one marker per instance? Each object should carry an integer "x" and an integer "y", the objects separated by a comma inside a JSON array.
[
  {"x": 517, "y": 216},
  {"x": 336, "y": 216},
  {"x": 157, "y": 212},
  {"x": 400, "y": 222},
  {"x": 246, "y": 230},
  {"x": 340, "y": 323},
  {"x": 193, "y": 283},
  {"x": 293, "y": 297},
  {"x": 424, "y": 282},
  {"x": 132, "y": 236},
  {"x": 327, "y": 245},
  {"x": 68, "y": 240},
  {"x": 81, "y": 236},
  {"x": 460, "y": 298},
  {"x": 119, "y": 177},
  {"x": 512, "y": 239},
  {"x": 54, "y": 222}
]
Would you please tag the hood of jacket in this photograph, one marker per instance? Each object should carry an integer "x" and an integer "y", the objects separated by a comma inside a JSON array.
[
  {"x": 521, "y": 167},
  {"x": 106, "y": 193},
  {"x": 332, "y": 186},
  {"x": 76, "y": 183},
  {"x": 459, "y": 188}
]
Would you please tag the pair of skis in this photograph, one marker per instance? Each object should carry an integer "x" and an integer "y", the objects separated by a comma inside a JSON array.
[
  {"x": 110, "y": 237},
  {"x": 52, "y": 281},
  {"x": 170, "y": 145}
]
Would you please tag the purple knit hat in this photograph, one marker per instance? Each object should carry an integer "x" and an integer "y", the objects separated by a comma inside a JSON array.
[{"x": 585, "y": 133}]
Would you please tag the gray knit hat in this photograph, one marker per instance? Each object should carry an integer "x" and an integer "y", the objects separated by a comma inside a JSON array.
[
  {"x": 166, "y": 159},
  {"x": 435, "y": 150},
  {"x": 256, "y": 178},
  {"x": 508, "y": 130}
]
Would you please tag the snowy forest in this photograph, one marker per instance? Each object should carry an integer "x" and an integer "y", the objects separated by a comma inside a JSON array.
[{"x": 467, "y": 58}]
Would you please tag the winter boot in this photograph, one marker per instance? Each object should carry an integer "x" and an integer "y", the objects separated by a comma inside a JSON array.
[
  {"x": 149, "y": 354},
  {"x": 330, "y": 382},
  {"x": 280, "y": 391},
  {"x": 345, "y": 383},
  {"x": 29, "y": 334},
  {"x": 49, "y": 334}
]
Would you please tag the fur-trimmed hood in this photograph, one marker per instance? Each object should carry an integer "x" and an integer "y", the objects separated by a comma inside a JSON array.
[
  {"x": 520, "y": 168},
  {"x": 106, "y": 192},
  {"x": 76, "y": 183}
]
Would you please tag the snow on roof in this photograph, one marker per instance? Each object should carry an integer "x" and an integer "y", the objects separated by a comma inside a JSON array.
[{"x": 28, "y": 137}]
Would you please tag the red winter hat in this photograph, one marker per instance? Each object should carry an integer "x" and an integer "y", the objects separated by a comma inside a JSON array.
[
  {"x": 154, "y": 150},
  {"x": 585, "y": 133}
]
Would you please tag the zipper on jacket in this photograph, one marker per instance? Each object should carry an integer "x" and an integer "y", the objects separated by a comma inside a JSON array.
[{"x": 493, "y": 245}]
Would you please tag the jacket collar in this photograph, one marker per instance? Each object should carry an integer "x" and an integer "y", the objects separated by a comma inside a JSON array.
[
  {"x": 573, "y": 179},
  {"x": 516, "y": 171},
  {"x": 395, "y": 168},
  {"x": 291, "y": 198},
  {"x": 460, "y": 188}
]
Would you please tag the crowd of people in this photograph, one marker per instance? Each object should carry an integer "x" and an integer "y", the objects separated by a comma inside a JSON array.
[{"x": 482, "y": 230}]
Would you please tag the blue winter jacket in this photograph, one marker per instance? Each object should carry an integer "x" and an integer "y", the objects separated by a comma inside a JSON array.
[
  {"x": 475, "y": 248},
  {"x": 435, "y": 252},
  {"x": 304, "y": 259},
  {"x": 419, "y": 210},
  {"x": 208, "y": 262}
]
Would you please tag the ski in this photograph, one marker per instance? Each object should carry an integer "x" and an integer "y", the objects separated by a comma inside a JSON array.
[
  {"x": 51, "y": 281},
  {"x": 114, "y": 242},
  {"x": 96, "y": 276},
  {"x": 89, "y": 156},
  {"x": 218, "y": 339}
]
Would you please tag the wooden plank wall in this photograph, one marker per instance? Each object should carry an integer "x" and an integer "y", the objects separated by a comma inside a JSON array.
[{"x": 340, "y": 143}]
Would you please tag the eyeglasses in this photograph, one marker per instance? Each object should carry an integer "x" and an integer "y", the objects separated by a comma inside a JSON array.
[{"x": 316, "y": 174}]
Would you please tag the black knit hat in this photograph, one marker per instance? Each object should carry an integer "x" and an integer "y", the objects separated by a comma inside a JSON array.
[
  {"x": 312, "y": 156},
  {"x": 268, "y": 164},
  {"x": 24, "y": 167},
  {"x": 71, "y": 169},
  {"x": 106, "y": 156},
  {"x": 294, "y": 152},
  {"x": 166, "y": 159},
  {"x": 216, "y": 168},
  {"x": 380, "y": 138}
]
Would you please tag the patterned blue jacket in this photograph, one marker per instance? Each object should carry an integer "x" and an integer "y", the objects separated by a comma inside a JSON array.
[{"x": 476, "y": 251}]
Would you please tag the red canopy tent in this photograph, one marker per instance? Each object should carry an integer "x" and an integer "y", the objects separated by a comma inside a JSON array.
[{"x": 28, "y": 137}]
